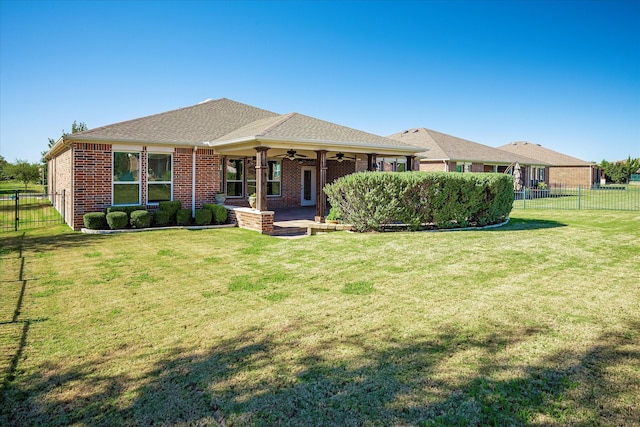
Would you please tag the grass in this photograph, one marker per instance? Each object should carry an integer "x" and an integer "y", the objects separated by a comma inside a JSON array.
[{"x": 533, "y": 323}]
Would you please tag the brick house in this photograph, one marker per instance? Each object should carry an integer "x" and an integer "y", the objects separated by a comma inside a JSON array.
[
  {"x": 445, "y": 153},
  {"x": 564, "y": 170},
  {"x": 191, "y": 153}
]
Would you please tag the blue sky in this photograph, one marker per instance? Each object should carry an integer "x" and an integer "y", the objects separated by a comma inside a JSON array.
[{"x": 563, "y": 74}]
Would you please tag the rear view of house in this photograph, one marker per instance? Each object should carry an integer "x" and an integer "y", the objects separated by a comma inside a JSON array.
[{"x": 221, "y": 145}]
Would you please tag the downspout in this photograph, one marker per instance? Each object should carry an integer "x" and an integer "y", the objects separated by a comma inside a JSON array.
[{"x": 193, "y": 182}]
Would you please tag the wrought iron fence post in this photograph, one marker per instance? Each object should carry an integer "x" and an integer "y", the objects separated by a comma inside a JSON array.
[
  {"x": 17, "y": 209},
  {"x": 578, "y": 196}
]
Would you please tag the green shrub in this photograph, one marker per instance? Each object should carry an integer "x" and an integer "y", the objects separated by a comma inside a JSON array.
[
  {"x": 117, "y": 220},
  {"x": 421, "y": 199},
  {"x": 203, "y": 216},
  {"x": 162, "y": 218},
  {"x": 219, "y": 212},
  {"x": 172, "y": 207},
  {"x": 95, "y": 221},
  {"x": 183, "y": 217},
  {"x": 140, "y": 219},
  {"x": 126, "y": 209}
]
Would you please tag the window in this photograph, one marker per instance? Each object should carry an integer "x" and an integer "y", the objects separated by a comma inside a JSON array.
[
  {"x": 235, "y": 178},
  {"x": 463, "y": 167},
  {"x": 126, "y": 178},
  {"x": 160, "y": 177},
  {"x": 274, "y": 168},
  {"x": 274, "y": 172}
]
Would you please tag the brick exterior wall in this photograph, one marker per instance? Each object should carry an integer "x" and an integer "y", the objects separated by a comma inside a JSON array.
[
  {"x": 436, "y": 166},
  {"x": 571, "y": 176},
  {"x": 59, "y": 173},
  {"x": 92, "y": 165},
  {"x": 477, "y": 167}
]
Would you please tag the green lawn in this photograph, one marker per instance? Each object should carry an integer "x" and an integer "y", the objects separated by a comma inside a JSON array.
[{"x": 533, "y": 323}]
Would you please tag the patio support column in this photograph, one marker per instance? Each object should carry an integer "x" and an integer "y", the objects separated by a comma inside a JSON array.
[
  {"x": 261, "y": 178},
  {"x": 321, "y": 180},
  {"x": 410, "y": 163},
  {"x": 371, "y": 161}
]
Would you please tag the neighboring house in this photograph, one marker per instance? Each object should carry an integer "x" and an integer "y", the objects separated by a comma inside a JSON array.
[
  {"x": 446, "y": 153},
  {"x": 564, "y": 170},
  {"x": 191, "y": 153}
]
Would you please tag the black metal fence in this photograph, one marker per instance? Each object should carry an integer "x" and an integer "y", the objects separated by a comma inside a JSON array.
[
  {"x": 607, "y": 197},
  {"x": 22, "y": 210}
]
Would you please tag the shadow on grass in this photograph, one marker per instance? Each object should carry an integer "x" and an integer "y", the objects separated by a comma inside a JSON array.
[
  {"x": 246, "y": 381},
  {"x": 519, "y": 224}
]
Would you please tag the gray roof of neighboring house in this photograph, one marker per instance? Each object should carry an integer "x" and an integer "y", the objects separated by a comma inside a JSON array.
[
  {"x": 440, "y": 146},
  {"x": 225, "y": 122},
  {"x": 538, "y": 152}
]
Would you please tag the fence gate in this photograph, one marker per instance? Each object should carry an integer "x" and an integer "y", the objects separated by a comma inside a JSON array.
[{"x": 20, "y": 210}]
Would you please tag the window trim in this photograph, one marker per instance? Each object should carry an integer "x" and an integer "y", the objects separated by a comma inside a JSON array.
[
  {"x": 149, "y": 182},
  {"x": 114, "y": 183},
  {"x": 242, "y": 179}
]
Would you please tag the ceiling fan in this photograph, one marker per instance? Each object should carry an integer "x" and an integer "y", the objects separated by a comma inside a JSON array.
[
  {"x": 340, "y": 157},
  {"x": 292, "y": 155}
]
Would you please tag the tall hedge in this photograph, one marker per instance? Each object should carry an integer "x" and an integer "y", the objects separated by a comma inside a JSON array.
[{"x": 370, "y": 200}]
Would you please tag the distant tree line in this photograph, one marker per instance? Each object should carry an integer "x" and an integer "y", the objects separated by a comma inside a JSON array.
[{"x": 25, "y": 172}]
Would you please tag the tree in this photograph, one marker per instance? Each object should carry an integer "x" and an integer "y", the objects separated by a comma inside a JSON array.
[
  {"x": 75, "y": 128},
  {"x": 25, "y": 172},
  {"x": 620, "y": 172},
  {"x": 3, "y": 165}
]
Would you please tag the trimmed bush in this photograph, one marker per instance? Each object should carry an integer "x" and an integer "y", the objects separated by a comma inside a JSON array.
[
  {"x": 95, "y": 221},
  {"x": 117, "y": 220},
  {"x": 161, "y": 218},
  {"x": 126, "y": 209},
  {"x": 183, "y": 217},
  {"x": 203, "y": 216},
  {"x": 172, "y": 207},
  {"x": 219, "y": 212},
  {"x": 140, "y": 219},
  {"x": 421, "y": 199}
]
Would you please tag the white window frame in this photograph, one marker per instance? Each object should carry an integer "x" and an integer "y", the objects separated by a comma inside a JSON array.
[
  {"x": 251, "y": 183},
  {"x": 241, "y": 181},
  {"x": 150, "y": 183},
  {"x": 114, "y": 183}
]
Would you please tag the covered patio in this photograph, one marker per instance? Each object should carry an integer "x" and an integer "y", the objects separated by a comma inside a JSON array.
[{"x": 287, "y": 161}]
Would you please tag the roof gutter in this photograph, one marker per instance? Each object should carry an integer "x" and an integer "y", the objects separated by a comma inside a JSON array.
[
  {"x": 57, "y": 148},
  {"x": 313, "y": 144}
]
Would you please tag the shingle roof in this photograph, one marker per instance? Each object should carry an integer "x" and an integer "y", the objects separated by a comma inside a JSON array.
[
  {"x": 206, "y": 121},
  {"x": 224, "y": 121},
  {"x": 538, "y": 152},
  {"x": 295, "y": 126},
  {"x": 440, "y": 146}
]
